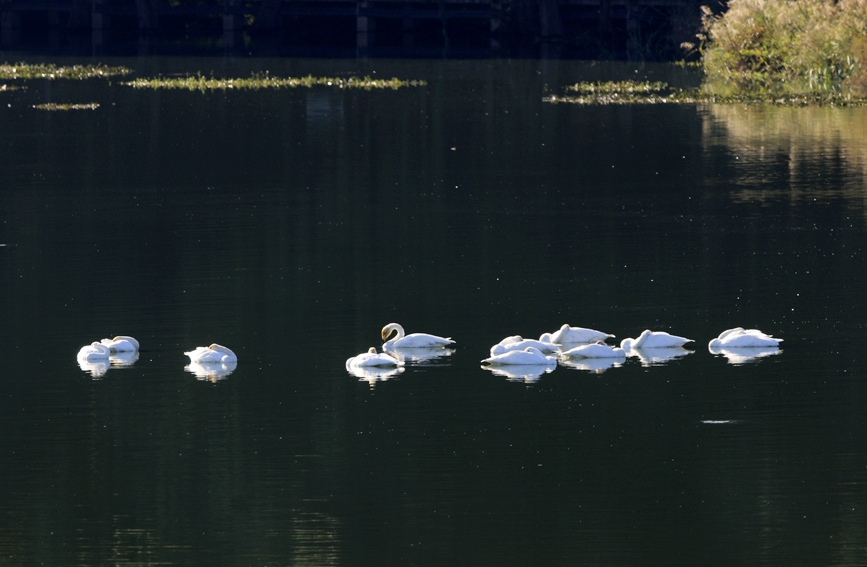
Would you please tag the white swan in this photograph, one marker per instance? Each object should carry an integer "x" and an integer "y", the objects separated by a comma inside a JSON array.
[
  {"x": 121, "y": 343},
  {"x": 93, "y": 351},
  {"x": 213, "y": 353},
  {"x": 371, "y": 358},
  {"x": 567, "y": 334},
  {"x": 654, "y": 339},
  {"x": 522, "y": 344},
  {"x": 415, "y": 340},
  {"x": 596, "y": 350},
  {"x": 531, "y": 356},
  {"x": 744, "y": 338}
]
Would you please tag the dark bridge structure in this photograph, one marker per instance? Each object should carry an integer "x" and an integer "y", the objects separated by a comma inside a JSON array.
[{"x": 659, "y": 25}]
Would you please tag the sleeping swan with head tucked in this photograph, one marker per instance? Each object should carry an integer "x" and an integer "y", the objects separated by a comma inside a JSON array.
[
  {"x": 744, "y": 338},
  {"x": 213, "y": 353},
  {"x": 654, "y": 339},
  {"x": 121, "y": 343}
]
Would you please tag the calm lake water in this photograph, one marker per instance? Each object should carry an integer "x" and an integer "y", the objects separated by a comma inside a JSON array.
[{"x": 292, "y": 225}]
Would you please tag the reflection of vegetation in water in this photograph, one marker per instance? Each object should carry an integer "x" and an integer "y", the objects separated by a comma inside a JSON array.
[
  {"x": 200, "y": 83},
  {"x": 55, "y": 106},
  {"x": 811, "y": 142},
  {"x": 51, "y": 71},
  {"x": 633, "y": 92}
]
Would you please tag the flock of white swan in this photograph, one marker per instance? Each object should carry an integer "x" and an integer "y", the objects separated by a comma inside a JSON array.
[
  {"x": 519, "y": 358},
  {"x": 513, "y": 357},
  {"x": 208, "y": 362}
]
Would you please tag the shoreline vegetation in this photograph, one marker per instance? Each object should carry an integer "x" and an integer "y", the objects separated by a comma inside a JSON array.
[
  {"x": 777, "y": 52},
  {"x": 772, "y": 48}
]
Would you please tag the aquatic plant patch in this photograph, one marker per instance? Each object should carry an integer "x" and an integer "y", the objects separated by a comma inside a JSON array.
[
  {"x": 631, "y": 92},
  {"x": 202, "y": 83},
  {"x": 51, "y": 71},
  {"x": 55, "y": 106}
]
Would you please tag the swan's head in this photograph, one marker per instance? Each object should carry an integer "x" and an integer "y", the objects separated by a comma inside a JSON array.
[
  {"x": 546, "y": 338},
  {"x": 534, "y": 350},
  {"x": 371, "y": 350},
  {"x": 392, "y": 328}
]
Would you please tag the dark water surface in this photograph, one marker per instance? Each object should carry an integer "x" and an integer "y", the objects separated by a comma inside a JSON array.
[{"x": 292, "y": 225}]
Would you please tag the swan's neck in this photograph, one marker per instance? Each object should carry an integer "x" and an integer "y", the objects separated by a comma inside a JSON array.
[
  {"x": 641, "y": 338},
  {"x": 395, "y": 328}
]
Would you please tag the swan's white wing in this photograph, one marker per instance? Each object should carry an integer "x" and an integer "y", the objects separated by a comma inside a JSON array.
[
  {"x": 578, "y": 335},
  {"x": 420, "y": 340},
  {"x": 595, "y": 351}
]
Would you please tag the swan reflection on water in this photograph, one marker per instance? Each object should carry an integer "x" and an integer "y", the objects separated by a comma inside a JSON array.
[
  {"x": 123, "y": 359},
  {"x": 374, "y": 374},
  {"x": 211, "y": 371},
  {"x": 98, "y": 368},
  {"x": 657, "y": 356},
  {"x": 744, "y": 355},
  {"x": 597, "y": 365},
  {"x": 527, "y": 373},
  {"x": 416, "y": 355}
]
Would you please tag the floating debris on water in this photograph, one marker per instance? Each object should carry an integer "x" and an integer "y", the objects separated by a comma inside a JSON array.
[
  {"x": 52, "y": 71},
  {"x": 55, "y": 106},
  {"x": 265, "y": 81}
]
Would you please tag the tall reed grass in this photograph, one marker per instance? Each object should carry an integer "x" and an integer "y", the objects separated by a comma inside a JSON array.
[{"x": 786, "y": 47}]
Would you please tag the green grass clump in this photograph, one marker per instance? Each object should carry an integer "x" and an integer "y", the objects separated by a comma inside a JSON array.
[
  {"x": 202, "y": 84},
  {"x": 51, "y": 71},
  {"x": 55, "y": 106},
  {"x": 785, "y": 47}
]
